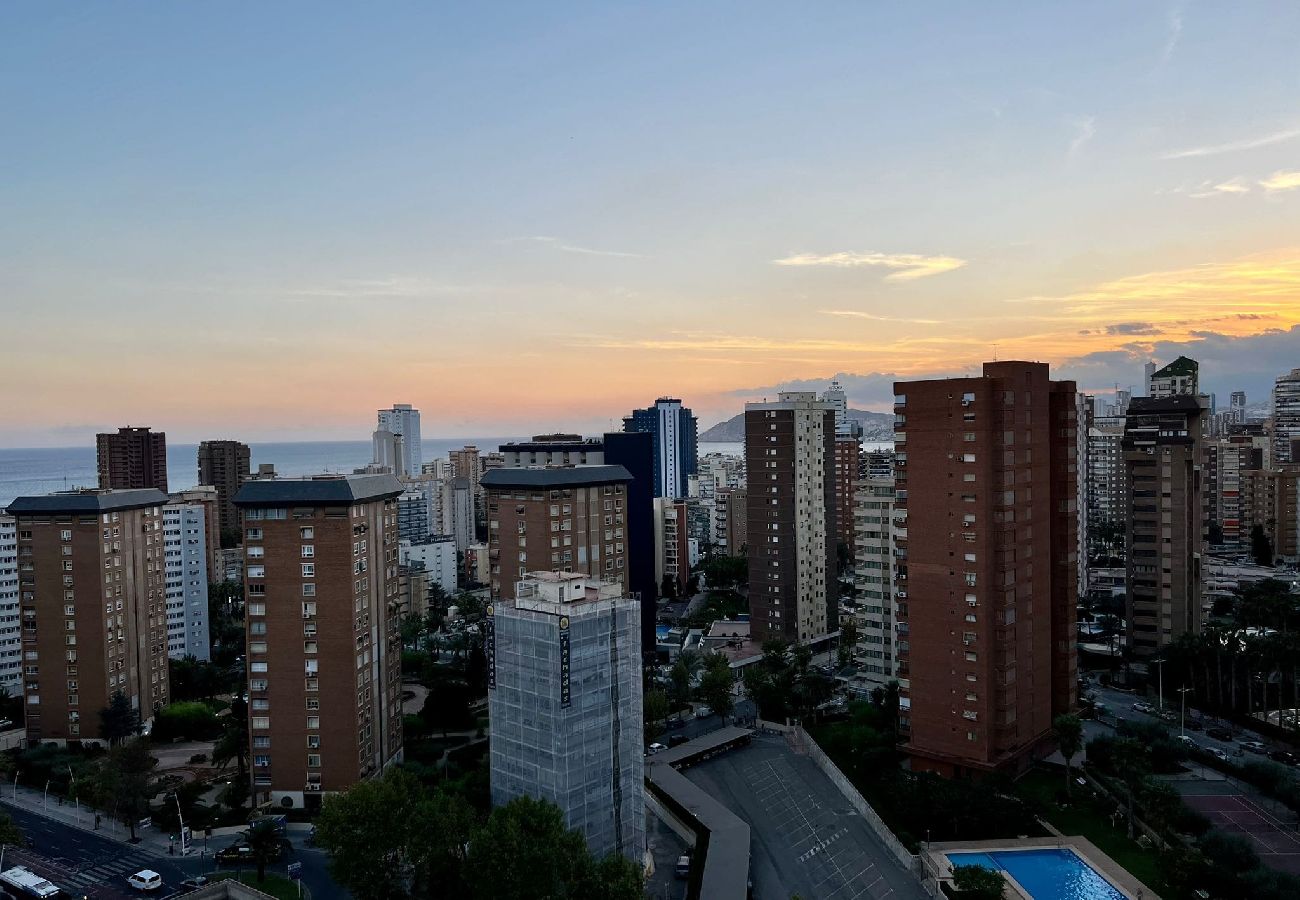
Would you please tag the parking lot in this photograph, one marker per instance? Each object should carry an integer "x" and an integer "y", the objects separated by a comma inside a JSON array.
[{"x": 806, "y": 838}]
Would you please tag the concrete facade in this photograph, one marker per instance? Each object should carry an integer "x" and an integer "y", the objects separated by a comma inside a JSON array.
[
  {"x": 132, "y": 459},
  {"x": 225, "y": 465},
  {"x": 11, "y": 652},
  {"x": 185, "y": 530}
]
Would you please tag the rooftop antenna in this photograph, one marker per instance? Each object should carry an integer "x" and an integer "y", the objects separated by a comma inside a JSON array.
[{"x": 995, "y": 352}]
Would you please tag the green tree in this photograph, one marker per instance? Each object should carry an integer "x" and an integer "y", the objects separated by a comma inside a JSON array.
[
  {"x": 721, "y": 571},
  {"x": 848, "y": 640},
  {"x": 524, "y": 851},
  {"x": 118, "y": 720},
  {"x": 10, "y": 834},
  {"x": 190, "y": 720},
  {"x": 655, "y": 709},
  {"x": 1261, "y": 548},
  {"x": 122, "y": 783},
  {"x": 233, "y": 742},
  {"x": 1069, "y": 740},
  {"x": 716, "y": 689},
  {"x": 977, "y": 883},
  {"x": 356, "y": 828},
  {"x": 264, "y": 842}
]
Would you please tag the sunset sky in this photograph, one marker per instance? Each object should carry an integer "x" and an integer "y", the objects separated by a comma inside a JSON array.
[{"x": 264, "y": 221}]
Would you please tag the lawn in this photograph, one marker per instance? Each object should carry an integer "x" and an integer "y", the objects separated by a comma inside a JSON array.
[
  {"x": 1086, "y": 819},
  {"x": 275, "y": 885}
]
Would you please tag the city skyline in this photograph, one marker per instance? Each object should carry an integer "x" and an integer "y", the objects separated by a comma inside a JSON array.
[{"x": 743, "y": 204}]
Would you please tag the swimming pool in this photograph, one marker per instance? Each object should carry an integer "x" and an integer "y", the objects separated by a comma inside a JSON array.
[
  {"x": 661, "y": 631},
  {"x": 1046, "y": 874}
]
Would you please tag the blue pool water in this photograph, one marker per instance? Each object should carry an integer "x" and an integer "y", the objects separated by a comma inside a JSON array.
[
  {"x": 661, "y": 631},
  {"x": 1045, "y": 874}
]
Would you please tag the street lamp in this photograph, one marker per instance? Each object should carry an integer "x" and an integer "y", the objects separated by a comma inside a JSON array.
[
  {"x": 1160, "y": 667},
  {"x": 1182, "y": 716}
]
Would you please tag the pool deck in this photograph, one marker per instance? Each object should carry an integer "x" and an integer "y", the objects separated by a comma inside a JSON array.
[{"x": 1103, "y": 865}]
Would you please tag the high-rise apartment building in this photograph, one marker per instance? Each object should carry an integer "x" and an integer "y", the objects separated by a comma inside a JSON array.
[
  {"x": 404, "y": 420},
  {"x": 186, "y": 557},
  {"x": 1106, "y": 491},
  {"x": 1165, "y": 521},
  {"x": 847, "y": 471},
  {"x": 986, "y": 500},
  {"x": 675, "y": 446},
  {"x": 672, "y": 547},
  {"x": 465, "y": 462},
  {"x": 1181, "y": 377},
  {"x": 729, "y": 535},
  {"x": 92, "y": 588},
  {"x": 132, "y": 459},
  {"x": 324, "y": 644},
  {"x": 791, "y": 517},
  {"x": 457, "y": 507},
  {"x": 873, "y": 571},
  {"x": 567, "y": 519},
  {"x": 1286, "y": 418},
  {"x": 11, "y": 650},
  {"x": 225, "y": 465},
  {"x": 388, "y": 453},
  {"x": 1237, "y": 407},
  {"x": 564, "y": 699}
]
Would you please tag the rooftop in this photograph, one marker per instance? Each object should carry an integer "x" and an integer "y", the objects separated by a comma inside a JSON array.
[
  {"x": 1181, "y": 366},
  {"x": 554, "y": 478},
  {"x": 326, "y": 490},
  {"x": 88, "y": 500}
]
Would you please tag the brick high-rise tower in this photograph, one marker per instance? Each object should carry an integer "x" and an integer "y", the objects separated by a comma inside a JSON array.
[
  {"x": 987, "y": 561},
  {"x": 132, "y": 459},
  {"x": 225, "y": 465}
]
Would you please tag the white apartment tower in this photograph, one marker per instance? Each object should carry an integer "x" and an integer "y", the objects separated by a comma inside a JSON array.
[
  {"x": 1286, "y": 417},
  {"x": 10, "y": 638},
  {"x": 875, "y": 524},
  {"x": 404, "y": 420},
  {"x": 186, "y": 567}
]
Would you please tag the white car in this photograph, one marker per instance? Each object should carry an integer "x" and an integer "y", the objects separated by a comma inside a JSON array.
[
  {"x": 1218, "y": 754},
  {"x": 145, "y": 880},
  {"x": 656, "y": 748},
  {"x": 703, "y": 712}
]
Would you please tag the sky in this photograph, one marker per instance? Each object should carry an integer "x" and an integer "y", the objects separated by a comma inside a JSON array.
[{"x": 265, "y": 221}]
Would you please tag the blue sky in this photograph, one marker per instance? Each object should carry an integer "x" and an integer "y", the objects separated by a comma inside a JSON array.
[{"x": 273, "y": 219}]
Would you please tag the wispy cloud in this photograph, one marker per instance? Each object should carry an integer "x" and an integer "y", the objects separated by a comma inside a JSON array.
[
  {"x": 906, "y": 266},
  {"x": 1212, "y": 189},
  {"x": 1265, "y": 140},
  {"x": 1281, "y": 181},
  {"x": 872, "y": 317},
  {"x": 560, "y": 244},
  {"x": 1084, "y": 129},
  {"x": 1173, "y": 35}
]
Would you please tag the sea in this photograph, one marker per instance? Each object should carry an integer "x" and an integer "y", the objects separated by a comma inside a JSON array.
[{"x": 41, "y": 470}]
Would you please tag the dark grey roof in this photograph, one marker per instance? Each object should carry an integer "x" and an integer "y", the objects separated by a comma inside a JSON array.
[
  {"x": 566, "y": 476},
  {"x": 320, "y": 491},
  {"x": 1174, "y": 403},
  {"x": 88, "y": 501}
]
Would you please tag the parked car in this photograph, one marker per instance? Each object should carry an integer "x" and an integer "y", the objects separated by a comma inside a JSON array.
[
  {"x": 675, "y": 722},
  {"x": 676, "y": 740},
  {"x": 703, "y": 712},
  {"x": 1218, "y": 754},
  {"x": 1286, "y": 757},
  {"x": 197, "y": 881},
  {"x": 1254, "y": 746},
  {"x": 1219, "y": 734},
  {"x": 656, "y": 747},
  {"x": 1194, "y": 725},
  {"x": 1142, "y": 707},
  {"x": 145, "y": 880},
  {"x": 1185, "y": 741}
]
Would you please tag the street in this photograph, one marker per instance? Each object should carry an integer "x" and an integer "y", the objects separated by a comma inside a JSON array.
[{"x": 87, "y": 865}]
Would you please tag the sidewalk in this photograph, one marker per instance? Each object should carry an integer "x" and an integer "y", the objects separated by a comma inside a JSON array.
[{"x": 34, "y": 801}]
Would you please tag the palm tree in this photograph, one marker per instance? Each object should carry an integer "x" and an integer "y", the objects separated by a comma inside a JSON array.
[
  {"x": 264, "y": 845},
  {"x": 1069, "y": 740}
]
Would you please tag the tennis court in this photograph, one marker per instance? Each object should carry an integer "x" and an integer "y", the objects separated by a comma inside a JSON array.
[{"x": 1276, "y": 841}]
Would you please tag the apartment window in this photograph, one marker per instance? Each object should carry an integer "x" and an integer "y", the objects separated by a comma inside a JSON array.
[
  {"x": 257, "y": 647},
  {"x": 262, "y": 742},
  {"x": 256, "y": 609},
  {"x": 261, "y": 723},
  {"x": 313, "y": 742},
  {"x": 257, "y": 684},
  {"x": 255, "y": 571},
  {"x": 308, "y": 570},
  {"x": 310, "y": 647},
  {"x": 257, "y": 628},
  {"x": 309, "y": 590},
  {"x": 253, "y": 534},
  {"x": 308, "y": 551},
  {"x": 261, "y": 760},
  {"x": 313, "y": 703},
  {"x": 307, "y": 532},
  {"x": 970, "y": 579},
  {"x": 257, "y": 667},
  {"x": 313, "y": 722},
  {"x": 313, "y": 760},
  {"x": 65, "y": 535},
  {"x": 308, "y": 610},
  {"x": 254, "y": 552}
]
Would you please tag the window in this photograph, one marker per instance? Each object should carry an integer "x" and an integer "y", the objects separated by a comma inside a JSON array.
[
  {"x": 261, "y": 760},
  {"x": 261, "y": 723},
  {"x": 257, "y": 667},
  {"x": 257, "y": 647},
  {"x": 262, "y": 742},
  {"x": 309, "y": 590},
  {"x": 313, "y": 742},
  {"x": 308, "y": 551},
  {"x": 313, "y": 760},
  {"x": 255, "y": 571},
  {"x": 307, "y": 533},
  {"x": 308, "y": 570},
  {"x": 313, "y": 722},
  {"x": 256, "y": 609},
  {"x": 254, "y": 552}
]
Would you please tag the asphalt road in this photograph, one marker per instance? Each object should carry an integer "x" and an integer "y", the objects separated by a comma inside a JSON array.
[{"x": 84, "y": 864}]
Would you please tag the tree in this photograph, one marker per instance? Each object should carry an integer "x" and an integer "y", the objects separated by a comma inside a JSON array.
[
  {"x": 524, "y": 851},
  {"x": 122, "y": 783},
  {"x": 848, "y": 640},
  {"x": 356, "y": 828},
  {"x": 655, "y": 710},
  {"x": 9, "y": 832},
  {"x": 1069, "y": 740},
  {"x": 233, "y": 743},
  {"x": 977, "y": 883},
  {"x": 716, "y": 690},
  {"x": 721, "y": 571},
  {"x": 1261, "y": 548},
  {"x": 264, "y": 843},
  {"x": 118, "y": 720}
]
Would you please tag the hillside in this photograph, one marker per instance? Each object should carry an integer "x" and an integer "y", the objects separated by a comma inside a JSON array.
[{"x": 875, "y": 427}]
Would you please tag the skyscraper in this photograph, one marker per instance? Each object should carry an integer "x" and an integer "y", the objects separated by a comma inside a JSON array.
[
  {"x": 403, "y": 419},
  {"x": 1165, "y": 520},
  {"x": 987, "y": 564},
  {"x": 225, "y": 465},
  {"x": 564, "y": 699},
  {"x": 92, "y": 584},
  {"x": 675, "y": 446},
  {"x": 132, "y": 459},
  {"x": 324, "y": 645},
  {"x": 11, "y": 642},
  {"x": 186, "y": 556},
  {"x": 790, "y": 517},
  {"x": 1286, "y": 418},
  {"x": 569, "y": 520},
  {"x": 848, "y": 466},
  {"x": 1180, "y": 377},
  {"x": 875, "y": 609}
]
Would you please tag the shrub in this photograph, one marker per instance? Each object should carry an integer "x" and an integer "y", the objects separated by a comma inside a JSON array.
[{"x": 190, "y": 720}]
